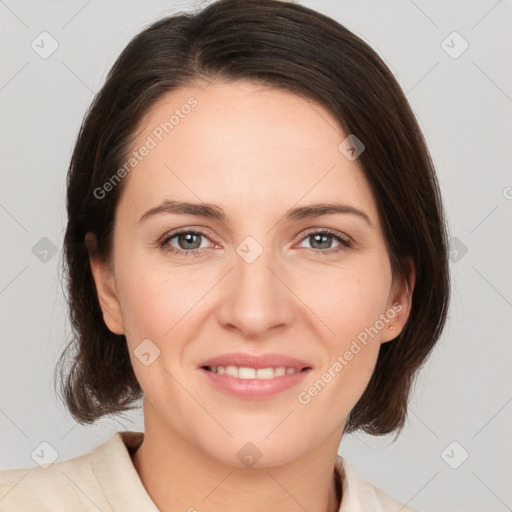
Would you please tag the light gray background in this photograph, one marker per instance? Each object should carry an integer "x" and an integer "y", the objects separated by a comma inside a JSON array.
[{"x": 464, "y": 106}]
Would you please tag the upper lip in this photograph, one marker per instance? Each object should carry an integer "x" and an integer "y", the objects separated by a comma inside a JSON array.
[{"x": 256, "y": 361}]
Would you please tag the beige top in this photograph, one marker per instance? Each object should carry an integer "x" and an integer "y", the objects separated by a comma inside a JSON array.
[{"x": 105, "y": 479}]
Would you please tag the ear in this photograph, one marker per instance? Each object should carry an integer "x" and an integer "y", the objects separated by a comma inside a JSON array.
[
  {"x": 400, "y": 302},
  {"x": 105, "y": 287}
]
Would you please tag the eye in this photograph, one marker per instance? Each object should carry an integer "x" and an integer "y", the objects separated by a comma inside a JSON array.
[
  {"x": 321, "y": 241},
  {"x": 188, "y": 241}
]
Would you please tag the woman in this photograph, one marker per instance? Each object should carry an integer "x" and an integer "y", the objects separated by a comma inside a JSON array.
[{"x": 256, "y": 246}]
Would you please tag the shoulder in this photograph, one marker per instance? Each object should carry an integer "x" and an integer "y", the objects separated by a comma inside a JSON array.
[
  {"x": 49, "y": 488},
  {"x": 360, "y": 495},
  {"x": 70, "y": 484}
]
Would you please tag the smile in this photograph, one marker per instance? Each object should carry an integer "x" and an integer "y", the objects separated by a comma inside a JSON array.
[
  {"x": 243, "y": 372},
  {"x": 248, "y": 383}
]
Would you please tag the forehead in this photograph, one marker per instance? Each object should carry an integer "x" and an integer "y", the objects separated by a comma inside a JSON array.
[{"x": 245, "y": 146}]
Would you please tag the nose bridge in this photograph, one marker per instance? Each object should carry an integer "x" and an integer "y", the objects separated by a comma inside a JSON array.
[{"x": 258, "y": 299}]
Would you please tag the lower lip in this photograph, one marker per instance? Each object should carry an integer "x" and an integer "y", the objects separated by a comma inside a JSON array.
[{"x": 253, "y": 389}]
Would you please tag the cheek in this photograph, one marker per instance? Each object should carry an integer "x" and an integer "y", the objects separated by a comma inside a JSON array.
[
  {"x": 353, "y": 296},
  {"x": 353, "y": 306},
  {"x": 153, "y": 303},
  {"x": 156, "y": 299},
  {"x": 157, "y": 306},
  {"x": 351, "y": 352},
  {"x": 159, "y": 302}
]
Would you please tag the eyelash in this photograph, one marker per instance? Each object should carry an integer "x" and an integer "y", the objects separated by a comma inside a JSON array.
[{"x": 344, "y": 243}]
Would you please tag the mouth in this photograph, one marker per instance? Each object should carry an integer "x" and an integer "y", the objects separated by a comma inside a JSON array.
[
  {"x": 254, "y": 376},
  {"x": 250, "y": 383},
  {"x": 249, "y": 373}
]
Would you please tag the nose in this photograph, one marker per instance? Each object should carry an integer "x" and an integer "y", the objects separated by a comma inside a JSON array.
[{"x": 256, "y": 298}]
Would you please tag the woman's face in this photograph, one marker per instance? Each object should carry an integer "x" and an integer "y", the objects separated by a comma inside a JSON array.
[{"x": 256, "y": 280}]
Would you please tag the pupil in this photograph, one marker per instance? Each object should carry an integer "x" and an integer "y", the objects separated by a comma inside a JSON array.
[
  {"x": 188, "y": 238},
  {"x": 318, "y": 238}
]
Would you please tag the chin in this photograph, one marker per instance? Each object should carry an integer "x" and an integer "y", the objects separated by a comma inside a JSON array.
[{"x": 253, "y": 455}]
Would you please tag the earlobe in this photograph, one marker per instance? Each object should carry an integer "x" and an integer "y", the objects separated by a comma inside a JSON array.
[
  {"x": 400, "y": 304},
  {"x": 105, "y": 287}
]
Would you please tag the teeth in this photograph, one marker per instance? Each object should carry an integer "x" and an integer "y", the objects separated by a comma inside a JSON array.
[
  {"x": 252, "y": 373},
  {"x": 268, "y": 373},
  {"x": 232, "y": 371},
  {"x": 246, "y": 373}
]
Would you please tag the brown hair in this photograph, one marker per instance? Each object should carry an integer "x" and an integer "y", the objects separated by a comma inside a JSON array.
[{"x": 294, "y": 48}]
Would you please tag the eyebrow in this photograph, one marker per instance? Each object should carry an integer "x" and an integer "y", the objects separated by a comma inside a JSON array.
[{"x": 213, "y": 211}]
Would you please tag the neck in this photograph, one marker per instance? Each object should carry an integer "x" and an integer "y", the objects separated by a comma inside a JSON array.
[{"x": 178, "y": 476}]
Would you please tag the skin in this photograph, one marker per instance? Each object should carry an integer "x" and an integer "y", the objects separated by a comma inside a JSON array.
[{"x": 256, "y": 152}]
